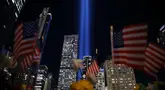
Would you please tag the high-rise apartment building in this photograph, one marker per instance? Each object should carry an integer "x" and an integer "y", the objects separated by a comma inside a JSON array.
[
  {"x": 119, "y": 77},
  {"x": 70, "y": 51}
]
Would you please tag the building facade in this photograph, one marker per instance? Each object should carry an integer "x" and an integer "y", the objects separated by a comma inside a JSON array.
[
  {"x": 100, "y": 84},
  {"x": 41, "y": 77},
  {"x": 119, "y": 77},
  {"x": 70, "y": 51},
  {"x": 10, "y": 11}
]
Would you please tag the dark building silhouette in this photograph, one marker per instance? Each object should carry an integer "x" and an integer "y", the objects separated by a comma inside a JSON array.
[{"x": 10, "y": 11}]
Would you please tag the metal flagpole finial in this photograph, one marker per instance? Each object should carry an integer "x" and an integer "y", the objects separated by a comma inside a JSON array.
[
  {"x": 111, "y": 28},
  {"x": 96, "y": 51}
]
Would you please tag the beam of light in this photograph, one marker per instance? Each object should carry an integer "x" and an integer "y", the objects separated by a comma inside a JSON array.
[
  {"x": 87, "y": 28},
  {"x": 84, "y": 32},
  {"x": 81, "y": 31}
]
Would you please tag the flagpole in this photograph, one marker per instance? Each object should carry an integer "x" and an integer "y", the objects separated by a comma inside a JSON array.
[
  {"x": 112, "y": 44},
  {"x": 42, "y": 20},
  {"x": 41, "y": 24},
  {"x": 96, "y": 53}
]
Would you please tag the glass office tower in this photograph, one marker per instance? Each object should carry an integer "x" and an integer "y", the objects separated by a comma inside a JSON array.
[{"x": 69, "y": 52}]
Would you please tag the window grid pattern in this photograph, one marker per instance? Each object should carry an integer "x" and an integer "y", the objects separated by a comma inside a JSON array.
[
  {"x": 119, "y": 77},
  {"x": 69, "y": 52},
  {"x": 100, "y": 84}
]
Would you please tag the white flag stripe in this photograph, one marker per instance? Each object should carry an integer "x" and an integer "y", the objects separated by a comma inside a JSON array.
[
  {"x": 151, "y": 67},
  {"x": 18, "y": 35},
  {"x": 154, "y": 58},
  {"x": 28, "y": 60},
  {"x": 150, "y": 61},
  {"x": 130, "y": 49},
  {"x": 135, "y": 42},
  {"x": 27, "y": 51},
  {"x": 28, "y": 40},
  {"x": 26, "y": 46},
  {"x": 142, "y": 27},
  {"x": 18, "y": 28},
  {"x": 149, "y": 72},
  {"x": 17, "y": 48},
  {"x": 142, "y": 34},
  {"x": 156, "y": 53},
  {"x": 129, "y": 55},
  {"x": 17, "y": 43},
  {"x": 93, "y": 68},
  {"x": 163, "y": 52}
]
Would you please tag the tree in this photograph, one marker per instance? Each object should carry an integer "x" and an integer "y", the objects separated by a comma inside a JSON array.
[{"x": 4, "y": 61}]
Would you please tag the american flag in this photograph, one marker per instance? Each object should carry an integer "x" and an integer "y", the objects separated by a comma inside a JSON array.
[
  {"x": 37, "y": 52},
  {"x": 129, "y": 45},
  {"x": 26, "y": 62},
  {"x": 93, "y": 69},
  {"x": 24, "y": 41},
  {"x": 154, "y": 59}
]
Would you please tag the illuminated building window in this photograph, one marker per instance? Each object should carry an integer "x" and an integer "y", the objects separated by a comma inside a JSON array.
[
  {"x": 13, "y": 1},
  {"x": 121, "y": 78},
  {"x": 16, "y": 15}
]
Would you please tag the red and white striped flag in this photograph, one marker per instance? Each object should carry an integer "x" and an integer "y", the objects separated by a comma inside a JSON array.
[
  {"x": 26, "y": 62},
  {"x": 129, "y": 45},
  {"x": 93, "y": 69},
  {"x": 24, "y": 41},
  {"x": 37, "y": 55},
  {"x": 154, "y": 59}
]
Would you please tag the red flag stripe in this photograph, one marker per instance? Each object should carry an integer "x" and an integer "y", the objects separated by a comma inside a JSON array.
[
  {"x": 134, "y": 31},
  {"x": 152, "y": 62},
  {"x": 149, "y": 66},
  {"x": 150, "y": 72},
  {"x": 24, "y": 47},
  {"x": 135, "y": 27},
  {"x": 154, "y": 56},
  {"x": 135, "y": 40},
  {"x": 18, "y": 32},
  {"x": 157, "y": 51},
  {"x": 22, "y": 66},
  {"x": 93, "y": 68}
]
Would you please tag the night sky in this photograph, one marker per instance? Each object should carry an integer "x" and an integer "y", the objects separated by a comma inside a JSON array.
[{"x": 104, "y": 13}]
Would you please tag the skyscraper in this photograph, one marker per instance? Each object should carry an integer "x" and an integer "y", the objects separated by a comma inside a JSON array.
[
  {"x": 119, "y": 77},
  {"x": 69, "y": 52},
  {"x": 41, "y": 77},
  {"x": 100, "y": 84},
  {"x": 10, "y": 11}
]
